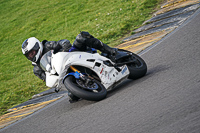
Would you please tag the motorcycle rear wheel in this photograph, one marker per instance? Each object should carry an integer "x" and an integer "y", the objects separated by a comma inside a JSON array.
[
  {"x": 138, "y": 68},
  {"x": 97, "y": 95}
]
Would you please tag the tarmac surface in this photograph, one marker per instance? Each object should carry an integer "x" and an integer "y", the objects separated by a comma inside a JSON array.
[{"x": 165, "y": 100}]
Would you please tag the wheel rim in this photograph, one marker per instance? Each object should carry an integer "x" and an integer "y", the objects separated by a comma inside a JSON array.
[
  {"x": 89, "y": 86},
  {"x": 134, "y": 61},
  {"x": 137, "y": 63}
]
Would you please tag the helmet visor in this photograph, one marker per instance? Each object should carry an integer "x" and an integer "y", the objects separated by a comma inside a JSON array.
[{"x": 31, "y": 55}]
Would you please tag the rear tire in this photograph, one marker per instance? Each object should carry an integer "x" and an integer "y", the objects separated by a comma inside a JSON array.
[
  {"x": 72, "y": 86},
  {"x": 137, "y": 69}
]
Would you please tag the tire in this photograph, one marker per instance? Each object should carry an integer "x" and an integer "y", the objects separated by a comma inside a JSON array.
[
  {"x": 137, "y": 69},
  {"x": 75, "y": 89}
]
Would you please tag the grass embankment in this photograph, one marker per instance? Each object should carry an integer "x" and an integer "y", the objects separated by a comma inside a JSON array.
[{"x": 107, "y": 20}]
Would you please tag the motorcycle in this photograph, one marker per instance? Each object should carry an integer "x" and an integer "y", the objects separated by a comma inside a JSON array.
[{"x": 89, "y": 75}]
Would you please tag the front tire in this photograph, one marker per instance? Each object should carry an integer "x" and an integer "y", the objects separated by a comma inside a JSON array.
[{"x": 92, "y": 95}]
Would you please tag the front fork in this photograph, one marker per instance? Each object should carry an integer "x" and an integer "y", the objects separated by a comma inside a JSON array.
[
  {"x": 74, "y": 69},
  {"x": 78, "y": 72}
]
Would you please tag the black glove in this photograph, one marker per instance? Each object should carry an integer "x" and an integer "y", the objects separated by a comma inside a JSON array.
[
  {"x": 57, "y": 49},
  {"x": 86, "y": 34},
  {"x": 65, "y": 44}
]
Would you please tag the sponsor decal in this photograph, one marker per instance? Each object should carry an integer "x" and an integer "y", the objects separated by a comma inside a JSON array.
[
  {"x": 101, "y": 71},
  {"x": 124, "y": 70}
]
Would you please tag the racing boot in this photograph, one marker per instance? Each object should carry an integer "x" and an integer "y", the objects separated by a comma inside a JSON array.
[
  {"x": 72, "y": 98},
  {"x": 109, "y": 52},
  {"x": 112, "y": 53}
]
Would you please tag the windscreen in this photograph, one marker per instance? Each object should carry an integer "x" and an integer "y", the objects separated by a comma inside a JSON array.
[{"x": 45, "y": 61}]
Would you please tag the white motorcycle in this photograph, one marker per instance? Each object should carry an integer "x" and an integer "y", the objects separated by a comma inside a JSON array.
[{"x": 90, "y": 75}]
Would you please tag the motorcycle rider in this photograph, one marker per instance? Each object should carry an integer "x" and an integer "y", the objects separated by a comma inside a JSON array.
[{"x": 33, "y": 49}]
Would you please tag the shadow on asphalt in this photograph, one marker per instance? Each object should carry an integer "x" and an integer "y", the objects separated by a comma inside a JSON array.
[{"x": 150, "y": 73}]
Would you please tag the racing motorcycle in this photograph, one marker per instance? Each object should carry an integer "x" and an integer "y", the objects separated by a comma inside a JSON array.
[{"x": 89, "y": 75}]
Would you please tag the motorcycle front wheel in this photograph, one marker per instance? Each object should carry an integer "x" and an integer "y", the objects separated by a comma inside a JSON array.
[{"x": 98, "y": 93}]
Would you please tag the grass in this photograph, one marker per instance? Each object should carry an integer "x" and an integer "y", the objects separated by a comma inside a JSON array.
[{"x": 107, "y": 20}]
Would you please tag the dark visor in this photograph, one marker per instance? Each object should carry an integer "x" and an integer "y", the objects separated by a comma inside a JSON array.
[{"x": 31, "y": 55}]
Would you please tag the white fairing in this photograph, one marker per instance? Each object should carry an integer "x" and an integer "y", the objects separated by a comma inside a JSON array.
[
  {"x": 108, "y": 75},
  {"x": 51, "y": 80}
]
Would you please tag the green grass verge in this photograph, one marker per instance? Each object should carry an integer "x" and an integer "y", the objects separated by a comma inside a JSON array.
[{"x": 107, "y": 20}]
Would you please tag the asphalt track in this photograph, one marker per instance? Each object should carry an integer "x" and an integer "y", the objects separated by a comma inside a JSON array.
[{"x": 167, "y": 99}]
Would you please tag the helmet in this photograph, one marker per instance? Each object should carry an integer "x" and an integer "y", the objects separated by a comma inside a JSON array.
[{"x": 32, "y": 49}]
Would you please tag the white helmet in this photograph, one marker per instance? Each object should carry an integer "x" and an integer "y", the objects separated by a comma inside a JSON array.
[{"x": 32, "y": 48}]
